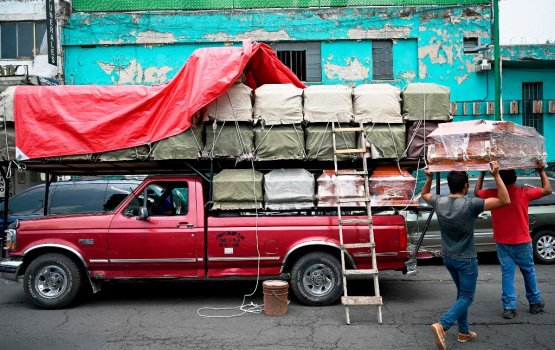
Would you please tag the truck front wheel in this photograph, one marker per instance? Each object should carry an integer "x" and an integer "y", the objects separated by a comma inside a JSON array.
[
  {"x": 316, "y": 279},
  {"x": 52, "y": 281}
]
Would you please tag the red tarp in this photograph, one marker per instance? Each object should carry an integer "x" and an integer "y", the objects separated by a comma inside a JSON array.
[{"x": 69, "y": 120}]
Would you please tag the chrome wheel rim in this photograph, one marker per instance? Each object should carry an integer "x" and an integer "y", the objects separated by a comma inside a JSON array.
[
  {"x": 318, "y": 280},
  {"x": 546, "y": 247},
  {"x": 51, "y": 281}
]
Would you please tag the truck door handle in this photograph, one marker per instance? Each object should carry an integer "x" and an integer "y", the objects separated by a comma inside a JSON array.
[{"x": 186, "y": 224}]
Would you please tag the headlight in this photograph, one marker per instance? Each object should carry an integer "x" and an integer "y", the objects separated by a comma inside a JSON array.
[{"x": 11, "y": 236}]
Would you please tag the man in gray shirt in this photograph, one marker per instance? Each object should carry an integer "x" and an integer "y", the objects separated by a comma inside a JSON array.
[{"x": 456, "y": 215}]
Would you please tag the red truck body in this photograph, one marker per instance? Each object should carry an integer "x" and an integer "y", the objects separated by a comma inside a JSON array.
[{"x": 117, "y": 245}]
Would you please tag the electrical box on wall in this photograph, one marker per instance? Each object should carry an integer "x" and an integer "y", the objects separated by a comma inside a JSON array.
[
  {"x": 537, "y": 107},
  {"x": 476, "y": 108},
  {"x": 490, "y": 108},
  {"x": 514, "y": 107},
  {"x": 454, "y": 108}
]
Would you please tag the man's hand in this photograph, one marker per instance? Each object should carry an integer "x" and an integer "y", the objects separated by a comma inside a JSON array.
[
  {"x": 541, "y": 166},
  {"x": 427, "y": 172},
  {"x": 494, "y": 168}
]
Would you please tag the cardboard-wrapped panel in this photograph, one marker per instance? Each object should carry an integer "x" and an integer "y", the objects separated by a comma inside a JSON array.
[{"x": 471, "y": 145}]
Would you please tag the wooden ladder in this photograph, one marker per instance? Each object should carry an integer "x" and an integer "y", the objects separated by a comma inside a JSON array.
[{"x": 373, "y": 271}]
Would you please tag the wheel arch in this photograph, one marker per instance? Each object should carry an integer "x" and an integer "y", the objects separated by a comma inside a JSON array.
[
  {"x": 538, "y": 229},
  {"x": 41, "y": 249},
  {"x": 314, "y": 246}
]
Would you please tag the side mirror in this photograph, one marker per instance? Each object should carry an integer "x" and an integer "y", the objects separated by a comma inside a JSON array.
[{"x": 143, "y": 214}]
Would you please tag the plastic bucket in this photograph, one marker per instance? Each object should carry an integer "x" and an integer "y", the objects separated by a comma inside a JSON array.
[{"x": 275, "y": 297}]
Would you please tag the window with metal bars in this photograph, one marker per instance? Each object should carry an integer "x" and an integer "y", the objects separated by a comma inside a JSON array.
[
  {"x": 532, "y": 92},
  {"x": 22, "y": 39},
  {"x": 382, "y": 60},
  {"x": 303, "y": 58}
]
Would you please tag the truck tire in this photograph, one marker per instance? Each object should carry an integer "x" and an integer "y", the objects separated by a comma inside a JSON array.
[
  {"x": 316, "y": 279},
  {"x": 52, "y": 281},
  {"x": 544, "y": 246}
]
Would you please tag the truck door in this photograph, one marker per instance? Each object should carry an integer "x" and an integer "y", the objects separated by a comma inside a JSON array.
[{"x": 162, "y": 243}]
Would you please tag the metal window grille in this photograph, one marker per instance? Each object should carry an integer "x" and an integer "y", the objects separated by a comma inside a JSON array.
[
  {"x": 303, "y": 58},
  {"x": 382, "y": 59},
  {"x": 532, "y": 92}
]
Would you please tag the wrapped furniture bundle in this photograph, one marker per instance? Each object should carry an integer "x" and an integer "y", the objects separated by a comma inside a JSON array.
[
  {"x": 377, "y": 103},
  {"x": 277, "y": 142},
  {"x": 228, "y": 139},
  {"x": 386, "y": 140},
  {"x": 187, "y": 145},
  {"x": 347, "y": 186},
  {"x": 237, "y": 189},
  {"x": 426, "y": 101},
  {"x": 289, "y": 189},
  {"x": 392, "y": 187},
  {"x": 319, "y": 143},
  {"x": 132, "y": 153},
  {"x": 233, "y": 105},
  {"x": 471, "y": 145},
  {"x": 417, "y": 144},
  {"x": 276, "y": 104},
  {"x": 328, "y": 103}
]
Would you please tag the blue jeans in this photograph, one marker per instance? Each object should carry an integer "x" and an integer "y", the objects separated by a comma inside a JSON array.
[
  {"x": 465, "y": 275},
  {"x": 511, "y": 255}
]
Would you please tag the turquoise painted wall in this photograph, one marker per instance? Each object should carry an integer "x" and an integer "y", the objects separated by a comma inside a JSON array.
[{"x": 151, "y": 47}]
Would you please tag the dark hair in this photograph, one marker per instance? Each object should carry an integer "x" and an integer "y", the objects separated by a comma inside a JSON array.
[
  {"x": 456, "y": 181},
  {"x": 508, "y": 176}
]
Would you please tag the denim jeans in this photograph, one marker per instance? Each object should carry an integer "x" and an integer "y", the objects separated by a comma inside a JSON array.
[
  {"x": 510, "y": 256},
  {"x": 465, "y": 275}
]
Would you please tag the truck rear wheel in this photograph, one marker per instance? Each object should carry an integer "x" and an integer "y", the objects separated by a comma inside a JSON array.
[
  {"x": 316, "y": 279},
  {"x": 52, "y": 281}
]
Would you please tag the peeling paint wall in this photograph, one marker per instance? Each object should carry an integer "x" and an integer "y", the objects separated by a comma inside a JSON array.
[
  {"x": 428, "y": 41},
  {"x": 151, "y": 47}
]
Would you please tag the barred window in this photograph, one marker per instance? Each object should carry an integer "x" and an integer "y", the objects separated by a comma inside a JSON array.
[
  {"x": 382, "y": 60},
  {"x": 303, "y": 58}
]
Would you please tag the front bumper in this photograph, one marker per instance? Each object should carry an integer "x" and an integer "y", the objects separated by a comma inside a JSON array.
[{"x": 9, "y": 268}]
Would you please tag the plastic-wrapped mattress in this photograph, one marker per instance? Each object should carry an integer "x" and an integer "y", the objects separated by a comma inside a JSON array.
[{"x": 289, "y": 189}]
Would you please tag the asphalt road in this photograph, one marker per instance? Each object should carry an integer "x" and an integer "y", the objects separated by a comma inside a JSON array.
[{"x": 164, "y": 316}]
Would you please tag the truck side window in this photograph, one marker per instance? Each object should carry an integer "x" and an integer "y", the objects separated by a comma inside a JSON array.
[{"x": 164, "y": 199}]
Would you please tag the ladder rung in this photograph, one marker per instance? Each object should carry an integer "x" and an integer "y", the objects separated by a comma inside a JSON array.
[
  {"x": 361, "y": 301},
  {"x": 360, "y": 272},
  {"x": 353, "y": 129},
  {"x": 352, "y": 199},
  {"x": 351, "y": 172},
  {"x": 358, "y": 245},
  {"x": 356, "y": 221},
  {"x": 350, "y": 150}
]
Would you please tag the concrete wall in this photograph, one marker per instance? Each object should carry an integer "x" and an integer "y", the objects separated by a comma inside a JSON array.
[{"x": 27, "y": 10}]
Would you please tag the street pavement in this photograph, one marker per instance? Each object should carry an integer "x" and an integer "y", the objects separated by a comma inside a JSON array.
[{"x": 162, "y": 315}]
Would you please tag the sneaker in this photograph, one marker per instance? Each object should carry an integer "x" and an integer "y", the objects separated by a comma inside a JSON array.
[
  {"x": 439, "y": 335},
  {"x": 510, "y": 313},
  {"x": 537, "y": 308},
  {"x": 463, "y": 338}
]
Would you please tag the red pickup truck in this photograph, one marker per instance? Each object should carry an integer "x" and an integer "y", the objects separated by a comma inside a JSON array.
[{"x": 162, "y": 230}]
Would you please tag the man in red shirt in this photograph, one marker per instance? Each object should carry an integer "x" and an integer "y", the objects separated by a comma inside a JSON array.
[{"x": 511, "y": 233}]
